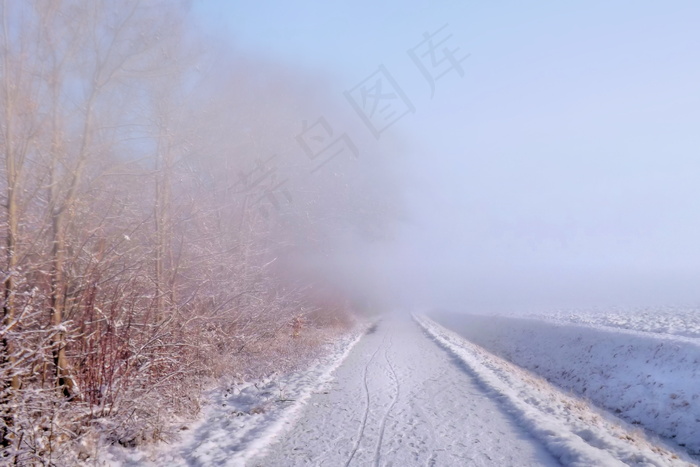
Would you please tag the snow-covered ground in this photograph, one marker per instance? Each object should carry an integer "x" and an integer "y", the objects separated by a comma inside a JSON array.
[
  {"x": 408, "y": 393},
  {"x": 647, "y": 378},
  {"x": 676, "y": 321},
  {"x": 239, "y": 420},
  {"x": 572, "y": 430},
  {"x": 399, "y": 399}
]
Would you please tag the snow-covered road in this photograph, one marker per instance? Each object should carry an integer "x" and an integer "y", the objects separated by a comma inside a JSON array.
[
  {"x": 408, "y": 393},
  {"x": 400, "y": 399}
]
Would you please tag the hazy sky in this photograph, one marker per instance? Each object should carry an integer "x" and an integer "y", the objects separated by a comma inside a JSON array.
[{"x": 561, "y": 169}]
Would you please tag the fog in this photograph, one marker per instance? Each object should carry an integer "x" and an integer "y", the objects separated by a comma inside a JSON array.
[
  {"x": 206, "y": 206},
  {"x": 554, "y": 165}
]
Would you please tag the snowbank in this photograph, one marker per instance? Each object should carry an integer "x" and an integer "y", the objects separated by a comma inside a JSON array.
[
  {"x": 569, "y": 429},
  {"x": 647, "y": 379}
]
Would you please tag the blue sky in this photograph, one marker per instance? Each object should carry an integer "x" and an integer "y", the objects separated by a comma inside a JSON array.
[{"x": 562, "y": 169}]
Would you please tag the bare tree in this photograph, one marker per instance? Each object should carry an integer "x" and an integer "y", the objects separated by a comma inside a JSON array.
[{"x": 129, "y": 215}]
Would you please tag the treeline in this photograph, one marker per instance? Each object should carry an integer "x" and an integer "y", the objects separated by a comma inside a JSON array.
[{"x": 143, "y": 222}]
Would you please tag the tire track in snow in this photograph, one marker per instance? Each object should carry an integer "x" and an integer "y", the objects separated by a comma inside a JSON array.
[
  {"x": 366, "y": 414},
  {"x": 342, "y": 428},
  {"x": 377, "y": 452},
  {"x": 432, "y": 459}
]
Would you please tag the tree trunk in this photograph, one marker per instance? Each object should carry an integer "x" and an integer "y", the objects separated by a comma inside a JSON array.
[{"x": 7, "y": 351}]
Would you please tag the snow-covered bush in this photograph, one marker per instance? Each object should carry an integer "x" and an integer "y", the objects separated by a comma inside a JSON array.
[{"x": 139, "y": 262}]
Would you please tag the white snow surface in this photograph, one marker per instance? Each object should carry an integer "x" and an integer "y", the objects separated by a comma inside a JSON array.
[
  {"x": 574, "y": 432},
  {"x": 672, "y": 320},
  {"x": 401, "y": 400},
  {"x": 408, "y": 393},
  {"x": 649, "y": 379},
  {"x": 240, "y": 420}
]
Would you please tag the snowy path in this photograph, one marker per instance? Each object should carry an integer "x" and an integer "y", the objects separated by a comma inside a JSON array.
[{"x": 400, "y": 399}]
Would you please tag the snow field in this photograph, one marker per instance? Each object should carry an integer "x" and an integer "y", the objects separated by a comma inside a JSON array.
[
  {"x": 675, "y": 321},
  {"x": 572, "y": 432}
]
